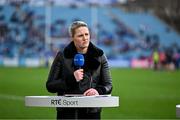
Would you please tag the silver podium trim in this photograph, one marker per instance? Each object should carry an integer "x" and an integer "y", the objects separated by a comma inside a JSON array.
[{"x": 68, "y": 101}]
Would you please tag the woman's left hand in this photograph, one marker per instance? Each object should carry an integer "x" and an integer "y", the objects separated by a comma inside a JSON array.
[{"x": 91, "y": 92}]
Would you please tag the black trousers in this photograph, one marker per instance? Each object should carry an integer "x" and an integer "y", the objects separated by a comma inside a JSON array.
[{"x": 79, "y": 113}]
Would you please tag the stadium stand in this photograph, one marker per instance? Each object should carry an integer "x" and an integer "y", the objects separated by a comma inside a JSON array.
[{"x": 122, "y": 35}]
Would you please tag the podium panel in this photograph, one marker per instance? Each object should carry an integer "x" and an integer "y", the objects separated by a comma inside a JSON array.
[
  {"x": 178, "y": 111},
  {"x": 75, "y": 102}
]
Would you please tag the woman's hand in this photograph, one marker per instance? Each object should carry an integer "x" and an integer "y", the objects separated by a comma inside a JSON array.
[
  {"x": 91, "y": 92},
  {"x": 78, "y": 74}
]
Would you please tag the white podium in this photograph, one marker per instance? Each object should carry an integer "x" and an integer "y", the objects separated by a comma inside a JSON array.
[
  {"x": 178, "y": 111},
  {"x": 72, "y": 101}
]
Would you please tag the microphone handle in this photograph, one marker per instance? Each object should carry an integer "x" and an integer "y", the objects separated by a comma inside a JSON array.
[{"x": 77, "y": 67}]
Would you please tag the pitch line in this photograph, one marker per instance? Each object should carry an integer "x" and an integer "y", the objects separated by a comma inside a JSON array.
[{"x": 11, "y": 97}]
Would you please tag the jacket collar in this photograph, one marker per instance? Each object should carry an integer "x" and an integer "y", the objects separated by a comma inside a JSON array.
[{"x": 91, "y": 61}]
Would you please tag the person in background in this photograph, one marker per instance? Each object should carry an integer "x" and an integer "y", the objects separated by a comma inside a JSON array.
[
  {"x": 169, "y": 59},
  {"x": 92, "y": 79},
  {"x": 156, "y": 59},
  {"x": 162, "y": 59}
]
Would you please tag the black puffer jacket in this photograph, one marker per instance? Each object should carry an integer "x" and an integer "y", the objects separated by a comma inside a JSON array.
[{"x": 96, "y": 73}]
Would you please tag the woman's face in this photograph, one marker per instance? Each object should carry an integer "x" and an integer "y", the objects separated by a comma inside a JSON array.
[{"x": 81, "y": 39}]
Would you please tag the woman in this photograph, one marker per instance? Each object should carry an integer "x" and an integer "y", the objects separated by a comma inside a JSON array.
[{"x": 91, "y": 79}]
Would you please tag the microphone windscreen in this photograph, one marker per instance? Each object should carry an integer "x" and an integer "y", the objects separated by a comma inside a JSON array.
[{"x": 78, "y": 60}]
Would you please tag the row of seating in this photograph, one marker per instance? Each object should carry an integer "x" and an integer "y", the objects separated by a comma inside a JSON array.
[{"x": 122, "y": 35}]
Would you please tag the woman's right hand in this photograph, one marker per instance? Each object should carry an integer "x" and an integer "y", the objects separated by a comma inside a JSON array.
[{"x": 78, "y": 74}]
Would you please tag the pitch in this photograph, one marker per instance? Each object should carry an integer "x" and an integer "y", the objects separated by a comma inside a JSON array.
[{"x": 144, "y": 93}]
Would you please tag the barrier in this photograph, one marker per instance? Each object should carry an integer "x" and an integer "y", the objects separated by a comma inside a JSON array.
[{"x": 72, "y": 101}]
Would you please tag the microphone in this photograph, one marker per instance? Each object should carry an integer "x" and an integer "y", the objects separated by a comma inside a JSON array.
[{"x": 78, "y": 60}]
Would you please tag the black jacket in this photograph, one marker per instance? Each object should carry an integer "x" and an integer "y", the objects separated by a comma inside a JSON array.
[{"x": 96, "y": 72}]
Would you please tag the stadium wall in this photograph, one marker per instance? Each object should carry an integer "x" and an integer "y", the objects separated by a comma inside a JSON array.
[{"x": 34, "y": 62}]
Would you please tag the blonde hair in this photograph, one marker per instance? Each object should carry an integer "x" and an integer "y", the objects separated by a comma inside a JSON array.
[{"x": 75, "y": 25}]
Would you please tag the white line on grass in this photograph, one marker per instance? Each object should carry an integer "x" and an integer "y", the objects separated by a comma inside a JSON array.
[{"x": 11, "y": 97}]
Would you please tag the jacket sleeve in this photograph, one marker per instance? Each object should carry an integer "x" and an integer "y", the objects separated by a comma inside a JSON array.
[
  {"x": 105, "y": 85},
  {"x": 55, "y": 82}
]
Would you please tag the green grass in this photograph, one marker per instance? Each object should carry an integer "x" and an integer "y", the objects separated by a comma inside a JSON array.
[{"x": 144, "y": 94}]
